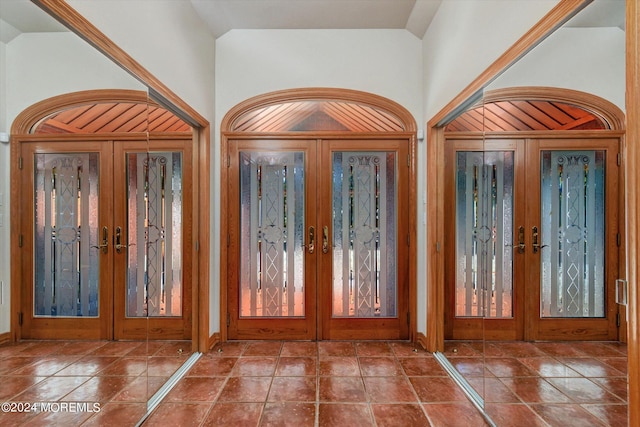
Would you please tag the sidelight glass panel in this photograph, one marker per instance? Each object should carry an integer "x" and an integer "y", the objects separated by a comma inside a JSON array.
[
  {"x": 67, "y": 262},
  {"x": 484, "y": 234},
  {"x": 365, "y": 207},
  {"x": 573, "y": 234},
  {"x": 154, "y": 234},
  {"x": 272, "y": 227}
]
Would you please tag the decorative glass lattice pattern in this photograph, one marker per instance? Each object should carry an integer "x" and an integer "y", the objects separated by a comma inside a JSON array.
[
  {"x": 154, "y": 230},
  {"x": 364, "y": 234},
  {"x": 484, "y": 234},
  {"x": 67, "y": 262},
  {"x": 573, "y": 234},
  {"x": 272, "y": 225}
]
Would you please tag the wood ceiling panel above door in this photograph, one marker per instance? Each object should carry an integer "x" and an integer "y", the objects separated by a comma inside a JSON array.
[
  {"x": 525, "y": 115},
  {"x": 112, "y": 117},
  {"x": 312, "y": 115}
]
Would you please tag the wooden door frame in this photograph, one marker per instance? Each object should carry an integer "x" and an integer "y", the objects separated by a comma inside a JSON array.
[
  {"x": 20, "y": 129},
  {"x": 317, "y": 94},
  {"x": 434, "y": 339},
  {"x": 78, "y": 24}
]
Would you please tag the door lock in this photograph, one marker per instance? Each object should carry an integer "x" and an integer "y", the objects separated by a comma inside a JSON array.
[{"x": 325, "y": 239}]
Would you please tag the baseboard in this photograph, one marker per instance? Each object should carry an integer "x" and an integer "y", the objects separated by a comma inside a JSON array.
[
  {"x": 213, "y": 340},
  {"x": 5, "y": 338}
]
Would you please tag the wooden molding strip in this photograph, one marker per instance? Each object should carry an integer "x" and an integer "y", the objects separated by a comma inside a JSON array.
[
  {"x": 68, "y": 16},
  {"x": 632, "y": 155}
]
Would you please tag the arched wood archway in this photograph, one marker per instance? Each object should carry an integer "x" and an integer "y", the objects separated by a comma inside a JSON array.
[
  {"x": 320, "y": 114},
  {"x": 604, "y": 120}
]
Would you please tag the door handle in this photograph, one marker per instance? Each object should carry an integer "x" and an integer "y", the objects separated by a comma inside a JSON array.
[
  {"x": 534, "y": 240},
  {"x": 521, "y": 240},
  {"x": 119, "y": 246},
  {"x": 325, "y": 239},
  {"x": 105, "y": 241},
  {"x": 312, "y": 239}
]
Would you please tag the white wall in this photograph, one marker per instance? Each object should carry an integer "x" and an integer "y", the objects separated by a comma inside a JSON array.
[
  {"x": 586, "y": 59},
  {"x": 466, "y": 37},
  {"x": 164, "y": 36}
]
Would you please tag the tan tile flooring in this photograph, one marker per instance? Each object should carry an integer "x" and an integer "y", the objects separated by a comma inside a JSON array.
[{"x": 318, "y": 384}]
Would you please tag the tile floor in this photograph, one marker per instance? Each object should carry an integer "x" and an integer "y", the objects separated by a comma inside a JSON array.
[
  {"x": 120, "y": 376},
  {"x": 318, "y": 384},
  {"x": 547, "y": 384}
]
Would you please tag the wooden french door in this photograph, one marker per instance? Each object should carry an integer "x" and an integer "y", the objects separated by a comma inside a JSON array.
[
  {"x": 319, "y": 248},
  {"x": 106, "y": 229},
  {"x": 534, "y": 248}
]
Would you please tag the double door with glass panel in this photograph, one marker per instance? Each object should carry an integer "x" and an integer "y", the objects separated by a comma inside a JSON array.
[
  {"x": 534, "y": 229},
  {"x": 318, "y": 247},
  {"x": 106, "y": 226}
]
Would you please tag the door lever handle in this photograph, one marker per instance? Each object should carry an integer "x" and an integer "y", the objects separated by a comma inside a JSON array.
[
  {"x": 312, "y": 239},
  {"x": 325, "y": 239},
  {"x": 119, "y": 246},
  {"x": 534, "y": 240},
  {"x": 521, "y": 246},
  {"x": 105, "y": 241}
]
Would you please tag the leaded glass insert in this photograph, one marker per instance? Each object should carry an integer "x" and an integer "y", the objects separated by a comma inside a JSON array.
[
  {"x": 154, "y": 231},
  {"x": 573, "y": 234},
  {"x": 272, "y": 227},
  {"x": 364, "y": 197},
  {"x": 67, "y": 262},
  {"x": 484, "y": 234}
]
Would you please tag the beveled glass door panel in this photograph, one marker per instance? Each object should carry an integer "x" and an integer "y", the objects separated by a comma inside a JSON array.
[
  {"x": 573, "y": 240},
  {"x": 485, "y": 257},
  {"x": 272, "y": 187},
  {"x": 70, "y": 275},
  {"x": 364, "y": 234},
  {"x": 364, "y": 240},
  {"x": 272, "y": 254},
  {"x": 152, "y": 234}
]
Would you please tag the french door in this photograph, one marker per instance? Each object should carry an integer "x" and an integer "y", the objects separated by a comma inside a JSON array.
[
  {"x": 535, "y": 234},
  {"x": 319, "y": 248},
  {"x": 106, "y": 229}
]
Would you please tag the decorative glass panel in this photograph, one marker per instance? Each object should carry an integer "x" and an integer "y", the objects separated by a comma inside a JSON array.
[
  {"x": 154, "y": 230},
  {"x": 272, "y": 234},
  {"x": 484, "y": 234},
  {"x": 572, "y": 234},
  {"x": 67, "y": 262},
  {"x": 364, "y": 234}
]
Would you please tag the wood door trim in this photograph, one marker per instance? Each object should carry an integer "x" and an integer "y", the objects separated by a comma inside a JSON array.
[{"x": 316, "y": 93}]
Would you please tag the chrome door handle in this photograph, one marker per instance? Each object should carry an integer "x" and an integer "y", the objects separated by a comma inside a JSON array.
[
  {"x": 105, "y": 241},
  {"x": 119, "y": 246},
  {"x": 312, "y": 239}
]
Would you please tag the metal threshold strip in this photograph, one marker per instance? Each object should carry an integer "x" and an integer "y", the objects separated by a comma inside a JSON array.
[
  {"x": 166, "y": 388},
  {"x": 473, "y": 395}
]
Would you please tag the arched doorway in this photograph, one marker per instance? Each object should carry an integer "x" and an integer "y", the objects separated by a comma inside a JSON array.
[
  {"x": 534, "y": 223},
  {"x": 320, "y": 226},
  {"x": 105, "y": 218}
]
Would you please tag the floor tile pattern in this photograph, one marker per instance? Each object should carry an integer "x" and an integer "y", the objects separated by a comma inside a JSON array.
[
  {"x": 547, "y": 384},
  {"x": 319, "y": 384},
  {"x": 119, "y": 376}
]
